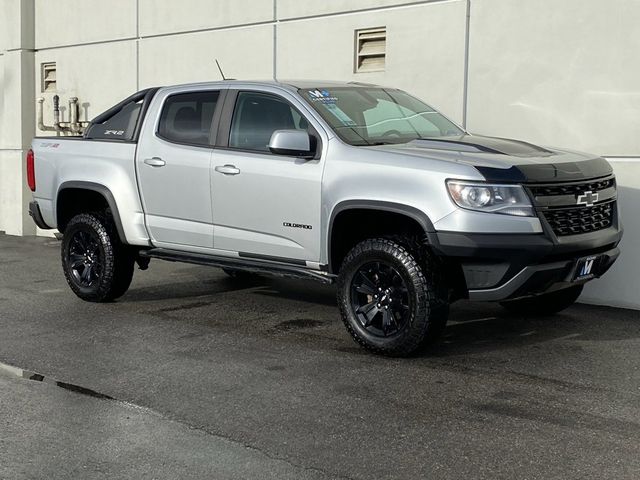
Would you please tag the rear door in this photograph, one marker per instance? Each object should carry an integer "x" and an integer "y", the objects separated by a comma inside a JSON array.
[
  {"x": 265, "y": 205},
  {"x": 173, "y": 164}
]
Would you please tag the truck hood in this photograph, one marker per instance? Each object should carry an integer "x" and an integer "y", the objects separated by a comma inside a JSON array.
[{"x": 505, "y": 160}]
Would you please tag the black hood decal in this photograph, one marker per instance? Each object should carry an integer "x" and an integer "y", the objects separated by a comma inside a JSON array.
[
  {"x": 503, "y": 160},
  {"x": 537, "y": 164},
  {"x": 549, "y": 172},
  {"x": 481, "y": 144}
]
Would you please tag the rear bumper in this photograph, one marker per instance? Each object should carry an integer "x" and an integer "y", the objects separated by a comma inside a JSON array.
[
  {"x": 34, "y": 212},
  {"x": 504, "y": 266}
]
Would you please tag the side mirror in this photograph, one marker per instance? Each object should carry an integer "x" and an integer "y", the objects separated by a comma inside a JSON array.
[{"x": 296, "y": 143}]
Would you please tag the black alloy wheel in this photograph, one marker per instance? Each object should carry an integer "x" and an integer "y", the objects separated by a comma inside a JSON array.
[
  {"x": 392, "y": 296},
  {"x": 85, "y": 259},
  {"x": 97, "y": 266},
  {"x": 380, "y": 299}
]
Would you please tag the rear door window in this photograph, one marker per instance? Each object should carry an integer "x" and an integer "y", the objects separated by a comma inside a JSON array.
[{"x": 187, "y": 117}]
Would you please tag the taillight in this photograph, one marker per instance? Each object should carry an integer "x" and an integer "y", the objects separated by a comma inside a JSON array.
[{"x": 31, "y": 171}]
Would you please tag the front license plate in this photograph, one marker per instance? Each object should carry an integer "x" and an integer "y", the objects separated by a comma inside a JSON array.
[{"x": 585, "y": 268}]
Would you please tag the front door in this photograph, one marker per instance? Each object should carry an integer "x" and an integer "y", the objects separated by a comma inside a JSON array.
[
  {"x": 173, "y": 163},
  {"x": 265, "y": 205}
]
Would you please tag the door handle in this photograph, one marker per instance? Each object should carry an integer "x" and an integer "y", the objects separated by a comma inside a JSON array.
[
  {"x": 228, "y": 169},
  {"x": 155, "y": 162}
]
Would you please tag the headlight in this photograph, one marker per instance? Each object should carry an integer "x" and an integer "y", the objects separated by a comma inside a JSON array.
[{"x": 482, "y": 197}]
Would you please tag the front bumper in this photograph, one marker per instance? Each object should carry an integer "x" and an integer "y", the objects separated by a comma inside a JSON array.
[{"x": 505, "y": 266}]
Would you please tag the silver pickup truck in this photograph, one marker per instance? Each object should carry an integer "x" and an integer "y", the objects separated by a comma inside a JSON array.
[{"x": 350, "y": 183}]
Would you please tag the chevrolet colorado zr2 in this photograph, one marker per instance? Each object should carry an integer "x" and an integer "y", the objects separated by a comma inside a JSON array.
[{"x": 351, "y": 183}]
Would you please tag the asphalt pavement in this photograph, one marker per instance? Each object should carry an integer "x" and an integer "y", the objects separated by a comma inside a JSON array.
[{"x": 193, "y": 375}]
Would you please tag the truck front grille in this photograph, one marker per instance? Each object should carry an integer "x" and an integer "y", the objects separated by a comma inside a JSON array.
[
  {"x": 576, "y": 207},
  {"x": 576, "y": 220},
  {"x": 572, "y": 188}
]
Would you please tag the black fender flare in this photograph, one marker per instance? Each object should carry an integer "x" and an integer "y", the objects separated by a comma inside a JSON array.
[
  {"x": 415, "y": 214},
  {"x": 102, "y": 190}
]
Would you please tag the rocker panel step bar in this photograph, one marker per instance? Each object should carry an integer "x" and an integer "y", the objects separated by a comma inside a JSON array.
[{"x": 245, "y": 264}]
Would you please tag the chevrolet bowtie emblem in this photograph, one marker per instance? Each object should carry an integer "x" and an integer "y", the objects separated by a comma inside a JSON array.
[{"x": 587, "y": 198}]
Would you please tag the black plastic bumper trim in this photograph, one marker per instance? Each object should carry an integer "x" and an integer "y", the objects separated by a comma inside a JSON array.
[
  {"x": 526, "y": 254},
  {"x": 556, "y": 276},
  {"x": 34, "y": 212}
]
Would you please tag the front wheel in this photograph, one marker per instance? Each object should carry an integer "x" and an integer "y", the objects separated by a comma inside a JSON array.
[
  {"x": 98, "y": 268},
  {"x": 391, "y": 302},
  {"x": 545, "y": 304}
]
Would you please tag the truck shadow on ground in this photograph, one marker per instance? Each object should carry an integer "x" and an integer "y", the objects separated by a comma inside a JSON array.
[
  {"x": 204, "y": 285},
  {"x": 477, "y": 327},
  {"x": 472, "y": 328}
]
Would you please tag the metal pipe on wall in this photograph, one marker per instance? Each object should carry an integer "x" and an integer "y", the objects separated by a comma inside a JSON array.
[
  {"x": 40, "y": 116},
  {"x": 73, "y": 115},
  {"x": 56, "y": 114},
  {"x": 74, "y": 126}
]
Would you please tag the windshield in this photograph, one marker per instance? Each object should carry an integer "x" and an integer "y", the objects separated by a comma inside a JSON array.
[{"x": 377, "y": 116}]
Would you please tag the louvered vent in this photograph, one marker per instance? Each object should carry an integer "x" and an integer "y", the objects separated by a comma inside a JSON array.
[
  {"x": 371, "y": 47},
  {"x": 48, "y": 75}
]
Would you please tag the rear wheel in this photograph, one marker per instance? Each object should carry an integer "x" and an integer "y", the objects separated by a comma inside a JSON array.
[
  {"x": 98, "y": 268},
  {"x": 391, "y": 303},
  {"x": 545, "y": 304}
]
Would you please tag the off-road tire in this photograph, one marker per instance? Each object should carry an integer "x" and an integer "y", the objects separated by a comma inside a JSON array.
[
  {"x": 545, "y": 304},
  {"x": 429, "y": 306},
  {"x": 116, "y": 260}
]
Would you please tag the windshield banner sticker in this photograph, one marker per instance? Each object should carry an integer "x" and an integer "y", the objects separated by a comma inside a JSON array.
[
  {"x": 322, "y": 96},
  {"x": 329, "y": 101}
]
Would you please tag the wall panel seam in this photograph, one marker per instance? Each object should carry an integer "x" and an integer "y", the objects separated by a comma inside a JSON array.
[
  {"x": 275, "y": 21},
  {"x": 275, "y": 39},
  {"x": 20, "y": 50},
  {"x": 465, "y": 80},
  {"x": 86, "y": 44},
  {"x": 368, "y": 10}
]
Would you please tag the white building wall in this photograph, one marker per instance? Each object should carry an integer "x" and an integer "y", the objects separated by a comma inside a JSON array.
[
  {"x": 190, "y": 57},
  {"x": 416, "y": 38},
  {"x": 158, "y": 17},
  {"x": 619, "y": 287},
  {"x": 72, "y": 22},
  {"x": 16, "y": 113},
  {"x": 555, "y": 73}
]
